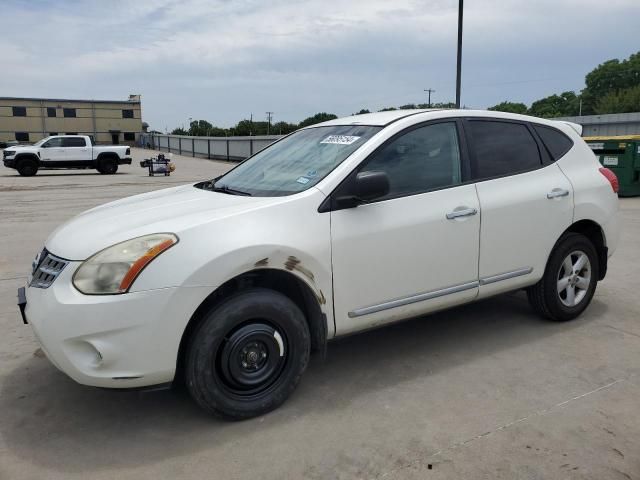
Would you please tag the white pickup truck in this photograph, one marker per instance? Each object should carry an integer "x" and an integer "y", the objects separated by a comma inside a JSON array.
[{"x": 66, "y": 151}]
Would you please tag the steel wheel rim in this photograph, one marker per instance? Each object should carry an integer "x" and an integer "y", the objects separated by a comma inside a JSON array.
[
  {"x": 251, "y": 358},
  {"x": 574, "y": 278}
]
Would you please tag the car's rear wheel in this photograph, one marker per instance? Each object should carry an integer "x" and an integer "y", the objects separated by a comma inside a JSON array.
[
  {"x": 569, "y": 281},
  {"x": 248, "y": 354},
  {"x": 107, "y": 166},
  {"x": 27, "y": 167}
]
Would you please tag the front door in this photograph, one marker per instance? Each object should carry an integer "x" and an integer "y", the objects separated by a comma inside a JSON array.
[
  {"x": 115, "y": 138},
  {"x": 52, "y": 150},
  {"x": 416, "y": 249}
]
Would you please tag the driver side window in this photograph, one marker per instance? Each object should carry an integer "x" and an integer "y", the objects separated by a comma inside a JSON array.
[
  {"x": 54, "y": 142},
  {"x": 423, "y": 159}
]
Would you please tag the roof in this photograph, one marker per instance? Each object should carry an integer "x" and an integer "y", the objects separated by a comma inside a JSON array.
[
  {"x": 71, "y": 100},
  {"x": 613, "y": 138},
  {"x": 377, "y": 118}
]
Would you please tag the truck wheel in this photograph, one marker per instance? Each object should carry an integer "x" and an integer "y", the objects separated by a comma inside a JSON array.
[
  {"x": 27, "y": 167},
  {"x": 248, "y": 354},
  {"x": 108, "y": 166},
  {"x": 569, "y": 280}
]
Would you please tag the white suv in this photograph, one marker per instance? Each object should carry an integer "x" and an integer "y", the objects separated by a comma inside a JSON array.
[{"x": 229, "y": 284}]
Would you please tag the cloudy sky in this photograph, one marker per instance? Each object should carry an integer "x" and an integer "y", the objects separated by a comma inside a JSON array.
[{"x": 223, "y": 60}]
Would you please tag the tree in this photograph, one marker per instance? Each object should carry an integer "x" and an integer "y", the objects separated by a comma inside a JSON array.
[
  {"x": 179, "y": 131},
  {"x": 408, "y": 106},
  {"x": 200, "y": 128},
  {"x": 511, "y": 107},
  {"x": 317, "y": 118},
  {"x": 387, "y": 109},
  {"x": 622, "y": 101},
  {"x": 610, "y": 77},
  {"x": 283, "y": 128},
  {"x": 363, "y": 111},
  {"x": 566, "y": 104}
]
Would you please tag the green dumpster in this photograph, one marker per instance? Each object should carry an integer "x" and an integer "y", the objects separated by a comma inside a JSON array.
[{"x": 621, "y": 154}]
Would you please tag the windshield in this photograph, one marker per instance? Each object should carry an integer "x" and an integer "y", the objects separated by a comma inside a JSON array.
[{"x": 296, "y": 162}]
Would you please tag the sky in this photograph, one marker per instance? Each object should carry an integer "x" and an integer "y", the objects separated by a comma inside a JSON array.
[{"x": 224, "y": 60}]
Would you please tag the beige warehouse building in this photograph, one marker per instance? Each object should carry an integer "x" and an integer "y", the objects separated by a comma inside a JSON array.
[{"x": 27, "y": 120}]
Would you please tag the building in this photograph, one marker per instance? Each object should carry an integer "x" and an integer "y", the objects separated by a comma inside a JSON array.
[
  {"x": 27, "y": 120},
  {"x": 607, "y": 125}
]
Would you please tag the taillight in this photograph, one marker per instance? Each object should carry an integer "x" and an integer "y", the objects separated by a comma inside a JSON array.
[{"x": 613, "y": 180}]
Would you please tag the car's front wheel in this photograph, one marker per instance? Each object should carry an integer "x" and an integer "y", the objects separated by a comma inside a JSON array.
[
  {"x": 248, "y": 354},
  {"x": 27, "y": 167},
  {"x": 569, "y": 280}
]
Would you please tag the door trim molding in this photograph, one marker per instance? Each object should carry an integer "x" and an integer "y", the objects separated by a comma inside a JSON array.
[
  {"x": 506, "y": 276},
  {"x": 413, "y": 299},
  {"x": 420, "y": 297}
]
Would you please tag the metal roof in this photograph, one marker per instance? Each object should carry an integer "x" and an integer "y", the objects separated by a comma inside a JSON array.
[{"x": 71, "y": 100}]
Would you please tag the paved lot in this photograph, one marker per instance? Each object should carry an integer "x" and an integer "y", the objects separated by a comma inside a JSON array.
[{"x": 483, "y": 391}]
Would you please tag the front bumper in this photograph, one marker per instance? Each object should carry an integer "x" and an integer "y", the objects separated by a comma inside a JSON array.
[
  {"x": 113, "y": 341},
  {"x": 9, "y": 162}
]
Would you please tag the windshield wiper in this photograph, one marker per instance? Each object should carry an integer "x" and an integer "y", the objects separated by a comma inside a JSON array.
[{"x": 229, "y": 191}]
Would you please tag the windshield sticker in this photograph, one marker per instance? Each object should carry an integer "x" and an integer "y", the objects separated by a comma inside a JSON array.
[
  {"x": 312, "y": 173},
  {"x": 340, "y": 139},
  {"x": 303, "y": 180}
]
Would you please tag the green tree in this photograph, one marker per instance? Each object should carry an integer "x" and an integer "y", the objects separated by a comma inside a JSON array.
[
  {"x": 408, "y": 106},
  {"x": 362, "y": 111},
  {"x": 564, "y": 105},
  {"x": 200, "y": 128},
  {"x": 609, "y": 77},
  {"x": 511, "y": 107},
  {"x": 622, "y": 101},
  {"x": 179, "y": 131},
  {"x": 387, "y": 109},
  {"x": 317, "y": 118}
]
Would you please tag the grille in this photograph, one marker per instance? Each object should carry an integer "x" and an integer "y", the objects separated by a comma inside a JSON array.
[{"x": 46, "y": 268}]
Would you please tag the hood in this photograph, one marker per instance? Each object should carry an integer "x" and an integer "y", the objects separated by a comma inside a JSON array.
[{"x": 169, "y": 210}]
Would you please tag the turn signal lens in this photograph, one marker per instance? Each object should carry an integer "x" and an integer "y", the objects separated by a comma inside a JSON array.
[
  {"x": 114, "y": 269},
  {"x": 613, "y": 179}
]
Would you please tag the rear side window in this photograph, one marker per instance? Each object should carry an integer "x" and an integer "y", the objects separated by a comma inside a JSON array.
[
  {"x": 502, "y": 148},
  {"x": 73, "y": 142},
  {"x": 556, "y": 142}
]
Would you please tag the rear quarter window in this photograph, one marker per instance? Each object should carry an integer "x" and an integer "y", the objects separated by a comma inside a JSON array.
[{"x": 556, "y": 142}]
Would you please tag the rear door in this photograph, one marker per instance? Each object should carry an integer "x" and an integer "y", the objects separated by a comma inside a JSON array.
[
  {"x": 416, "y": 249},
  {"x": 52, "y": 150},
  {"x": 526, "y": 202},
  {"x": 76, "y": 149}
]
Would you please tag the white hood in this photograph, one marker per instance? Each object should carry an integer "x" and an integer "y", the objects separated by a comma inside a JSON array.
[{"x": 168, "y": 210}]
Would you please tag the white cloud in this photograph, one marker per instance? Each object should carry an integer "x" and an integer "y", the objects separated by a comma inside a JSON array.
[{"x": 221, "y": 60}]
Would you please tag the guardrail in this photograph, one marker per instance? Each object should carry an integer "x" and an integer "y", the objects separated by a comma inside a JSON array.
[{"x": 232, "y": 149}]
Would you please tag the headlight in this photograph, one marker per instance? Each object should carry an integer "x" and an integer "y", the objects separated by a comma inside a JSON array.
[
  {"x": 115, "y": 268},
  {"x": 9, "y": 153}
]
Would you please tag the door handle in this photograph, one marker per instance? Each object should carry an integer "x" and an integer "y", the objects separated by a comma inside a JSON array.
[
  {"x": 557, "y": 192},
  {"x": 461, "y": 212}
]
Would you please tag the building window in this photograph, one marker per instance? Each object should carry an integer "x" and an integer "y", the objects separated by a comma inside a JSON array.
[
  {"x": 53, "y": 134},
  {"x": 69, "y": 112},
  {"x": 129, "y": 137},
  {"x": 22, "y": 136},
  {"x": 19, "y": 111},
  {"x": 127, "y": 113},
  {"x": 71, "y": 133},
  {"x": 51, "y": 111}
]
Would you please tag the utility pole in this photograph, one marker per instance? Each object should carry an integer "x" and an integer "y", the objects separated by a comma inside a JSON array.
[
  {"x": 269, "y": 116},
  {"x": 429, "y": 91},
  {"x": 251, "y": 125},
  {"x": 459, "y": 62}
]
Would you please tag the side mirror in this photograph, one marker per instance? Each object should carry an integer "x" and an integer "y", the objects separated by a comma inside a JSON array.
[{"x": 366, "y": 187}]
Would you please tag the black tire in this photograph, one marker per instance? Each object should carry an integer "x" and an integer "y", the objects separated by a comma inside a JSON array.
[
  {"x": 236, "y": 365},
  {"x": 544, "y": 296},
  {"x": 107, "y": 166},
  {"x": 27, "y": 167}
]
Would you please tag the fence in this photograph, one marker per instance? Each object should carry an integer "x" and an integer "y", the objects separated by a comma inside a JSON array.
[{"x": 216, "y": 148}]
